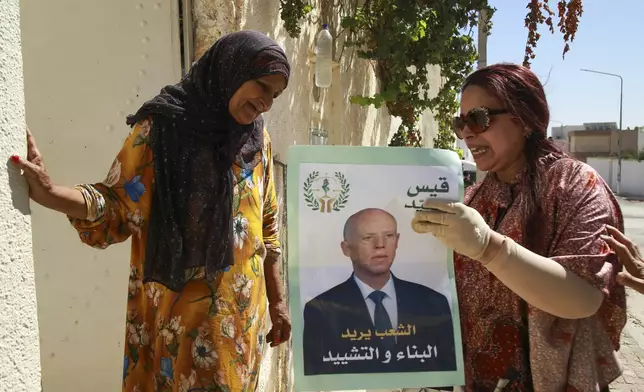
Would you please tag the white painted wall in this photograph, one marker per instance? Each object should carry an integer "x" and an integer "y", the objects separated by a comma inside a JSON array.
[
  {"x": 19, "y": 351},
  {"x": 87, "y": 65},
  {"x": 632, "y": 174}
]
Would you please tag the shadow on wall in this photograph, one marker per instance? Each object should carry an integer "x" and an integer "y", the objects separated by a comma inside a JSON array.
[
  {"x": 372, "y": 126},
  {"x": 19, "y": 190},
  {"x": 351, "y": 124},
  {"x": 288, "y": 121},
  {"x": 303, "y": 105}
]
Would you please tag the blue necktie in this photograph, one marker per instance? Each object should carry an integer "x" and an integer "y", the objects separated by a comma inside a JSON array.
[{"x": 381, "y": 320}]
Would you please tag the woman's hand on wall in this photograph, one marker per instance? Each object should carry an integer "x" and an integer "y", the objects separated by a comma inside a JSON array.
[
  {"x": 42, "y": 190},
  {"x": 33, "y": 167}
]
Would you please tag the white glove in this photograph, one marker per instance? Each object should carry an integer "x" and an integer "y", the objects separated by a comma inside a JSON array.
[{"x": 456, "y": 225}]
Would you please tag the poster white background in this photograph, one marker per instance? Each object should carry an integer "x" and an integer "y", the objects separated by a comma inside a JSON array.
[{"x": 420, "y": 258}]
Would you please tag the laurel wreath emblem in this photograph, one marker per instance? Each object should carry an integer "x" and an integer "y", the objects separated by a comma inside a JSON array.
[
  {"x": 310, "y": 199},
  {"x": 341, "y": 200},
  {"x": 345, "y": 189}
]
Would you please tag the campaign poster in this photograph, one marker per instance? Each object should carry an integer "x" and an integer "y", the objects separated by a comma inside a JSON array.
[{"x": 373, "y": 303}]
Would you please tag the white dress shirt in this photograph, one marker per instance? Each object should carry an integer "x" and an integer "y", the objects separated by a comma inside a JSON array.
[{"x": 389, "y": 300}]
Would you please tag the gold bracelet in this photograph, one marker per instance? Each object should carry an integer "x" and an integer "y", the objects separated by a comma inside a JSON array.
[{"x": 94, "y": 201}]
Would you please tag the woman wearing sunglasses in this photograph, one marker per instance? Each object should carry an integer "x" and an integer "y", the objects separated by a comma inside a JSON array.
[{"x": 539, "y": 306}]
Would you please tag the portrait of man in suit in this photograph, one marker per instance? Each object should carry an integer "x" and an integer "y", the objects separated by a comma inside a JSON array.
[{"x": 375, "y": 322}]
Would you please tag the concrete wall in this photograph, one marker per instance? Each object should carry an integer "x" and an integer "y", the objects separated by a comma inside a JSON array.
[
  {"x": 597, "y": 142},
  {"x": 630, "y": 140},
  {"x": 603, "y": 142},
  {"x": 562, "y": 132},
  {"x": 632, "y": 175},
  {"x": 19, "y": 351}
]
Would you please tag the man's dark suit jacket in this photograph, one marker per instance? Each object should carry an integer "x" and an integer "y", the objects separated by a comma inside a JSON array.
[{"x": 331, "y": 314}]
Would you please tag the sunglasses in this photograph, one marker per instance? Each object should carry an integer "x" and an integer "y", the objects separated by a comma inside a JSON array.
[{"x": 477, "y": 120}]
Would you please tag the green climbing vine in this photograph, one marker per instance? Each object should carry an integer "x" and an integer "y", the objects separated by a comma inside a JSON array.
[
  {"x": 292, "y": 12},
  {"x": 401, "y": 38}
]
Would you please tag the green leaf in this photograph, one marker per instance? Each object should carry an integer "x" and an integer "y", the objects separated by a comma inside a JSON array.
[
  {"x": 360, "y": 100},
  {"x": 348, "y": 22},
  {"x": 377, "y": 101},
  {"x": 236, "y": 202},
  {"x": 134, "y": 353},
  {"x": 193, "y": 333},
  {"x": 388, "y": 95},
  {"x": 254, "y": 264},
  {"x": 173, "y": 348}
]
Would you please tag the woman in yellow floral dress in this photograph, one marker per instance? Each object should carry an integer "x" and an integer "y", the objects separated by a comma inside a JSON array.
[{"x": 193, "y": 188}]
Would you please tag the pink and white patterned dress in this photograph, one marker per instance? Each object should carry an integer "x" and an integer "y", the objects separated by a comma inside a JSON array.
[{"x": 504, "y": 338}]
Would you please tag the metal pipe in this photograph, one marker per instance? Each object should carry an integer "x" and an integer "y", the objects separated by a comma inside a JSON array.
[
  {"x": 482, "y": 39},
  {"x": 188, "y": 35},
  {"x": 619, "y": 132}
]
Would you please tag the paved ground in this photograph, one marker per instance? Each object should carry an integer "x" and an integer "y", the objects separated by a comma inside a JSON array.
[{"x": 632, "y": 351}]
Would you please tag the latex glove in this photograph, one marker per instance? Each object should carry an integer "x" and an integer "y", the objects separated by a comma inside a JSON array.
[{"x": 456, "y": 225}]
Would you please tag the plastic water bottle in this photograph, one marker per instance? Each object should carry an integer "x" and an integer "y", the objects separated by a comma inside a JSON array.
[{"x": 324, "y": 58}]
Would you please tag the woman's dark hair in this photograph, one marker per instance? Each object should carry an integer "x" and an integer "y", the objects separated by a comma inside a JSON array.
[{"x": 523, "y": 96}]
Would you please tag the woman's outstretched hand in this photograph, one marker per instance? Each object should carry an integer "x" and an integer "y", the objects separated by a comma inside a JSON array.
[
  {"x": 630, "y": 256},
  {"x": 42, "y": 190},
  {"x": 33, "y": 167}
]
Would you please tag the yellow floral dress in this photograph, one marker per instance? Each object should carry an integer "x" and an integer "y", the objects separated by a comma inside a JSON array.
[{"x": 208, "y": 337}]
